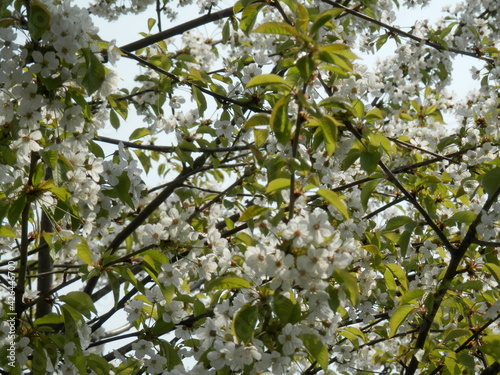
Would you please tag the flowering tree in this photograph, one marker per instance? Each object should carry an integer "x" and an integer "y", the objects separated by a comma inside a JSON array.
[{"x": 317, "y": 215}]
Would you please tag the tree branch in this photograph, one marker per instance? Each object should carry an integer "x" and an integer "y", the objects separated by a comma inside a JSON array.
[
  {"x": 169, "y": 149},
  {"x": 221, "y": 98},
  {"x": 444, "y": 285},
  {"x": 405, "y": 34},
  {"x": 45, "y": 267},
  {"x": 178, "y": 30}
]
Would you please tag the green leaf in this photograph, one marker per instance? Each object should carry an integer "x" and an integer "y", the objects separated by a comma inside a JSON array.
[
  {"x": 367, "y": 191},
  {"x": 381, "y": 41},
  {"x": 83, "y": 252},
  {"x": 494, "y": 269},
  {"x": 81, "y": 302},
  {"x": 286, "y": 310},
  {"x": 38, "y": 19},
  {"x": 404, "y": 116},
  {"x": 7, "y": 232},
  {"x": 334, "y": 199},
  {"x": 95, "y": 72},
  {"x": 323, "y": 19},
  {"x": 38, "y": 174},
  {"x": 306, "y": 67},
  {"x": 374, "y": 114},
  {"x": 144, "y": 159},
  {"x": 50, "y": 157},
  {"x": 200, "y": 99},
  {"x": 122, "y": 189},
  {"x": 151, "y": 23},
  {"x": 51, "y": 318},
  {"x": 260, "y": 136},
  {"x": 398, "y": 318},
  {"x": 227, "y": 282},
  {"x": 469, "y": 285},
  {"x": 329, "y": 128},
  {"x": 257, "y": 119},
  {"x": 139, "y": 133},
  {"x": 266, "y": 79},
  {"x": 244, "y": 323},
  {"x": 98, "y": 364},
  {"x": 251, "y": 212},
  {"x": 226, "y": 32},
  {"x": 369, "y": 160},
  {"x": 491, "y": 180},
  {"x": 39, "y": 358},
  {"x": 279, "y": 28},
  {"x": 358, "y": 108},
  {"x": 399, "y": 274},
  {"x": 277, "y": 184},
  {"x": 462, "y": 217},
  {"x": 280, "y": 123},
  {"x": 316, "y": 349},
  {"x": 396, "y": 222},
  {"x": 456, "y": 333},
  {"x": 249, "y": 15},
  {"x": 490, "y": 346},
  {"x": 339, "y": 49},
  {"x": 173, "y": 358},
  {"x": 348, "y": 283},
  {"x": 412, "y": 295},
  {"x": 15, "y": 209}
]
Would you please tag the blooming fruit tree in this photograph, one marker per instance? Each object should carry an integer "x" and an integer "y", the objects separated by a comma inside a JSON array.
[{"x": 314, "y": 215}]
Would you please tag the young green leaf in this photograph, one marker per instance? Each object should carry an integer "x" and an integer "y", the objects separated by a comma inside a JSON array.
[
  {"x": 316, "y": 349},
  {"x": 39, "y": 19},
  {"x": 348, "y": 283},
  {"x": 398, "y": 318},
  {"x": 279, "y": 28},
  {"x": 227, "y": 282},
  {"x": 334, "y": 199},
  {"x": 286, "y": 310},
  {"x": 244, "y": 323},
  {"x": 265, "y": 80},
  {"x": 81, "y": 302},
  {"x": 280, "y": 123},
  {"x": 277, "y": 184}
]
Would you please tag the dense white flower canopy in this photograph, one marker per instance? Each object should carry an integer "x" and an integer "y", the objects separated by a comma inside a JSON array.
[{"x": 280, "y": 205}]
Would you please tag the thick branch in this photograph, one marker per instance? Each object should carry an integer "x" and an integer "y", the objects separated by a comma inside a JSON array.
[
  {"x": 168, "y": 149},
  {"x": 45, "y": 264},
  {"x": 178, "y": 30},
  {"x": 23, "y": 261}
]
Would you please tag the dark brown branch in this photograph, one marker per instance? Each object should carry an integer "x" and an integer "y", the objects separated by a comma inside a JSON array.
[
  {"x": 168, "y": 149},
  {"x": 118, "y": 306},
  {"x": 31, "y": 252},
  {"x": 485, "y": 243},
  {"x": 178, "y": 30},
  {"x": 405, "y": 34},
  {"x": 220, "y": 98},
  {"x": 45, "y": 267},
  {"x": 383, "y": 208},
  {"x": 52, "y": 291},
  {"x": 409, "y": 145},
  {"x": 238, "y": 182},
  {"x": 392, "y": 178},
  {"x": 23, "y": 250},
  {"x": 143, "y": 215},
  {"x": 444, "y": 285},
  {"x": 466, "y": 343}
]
